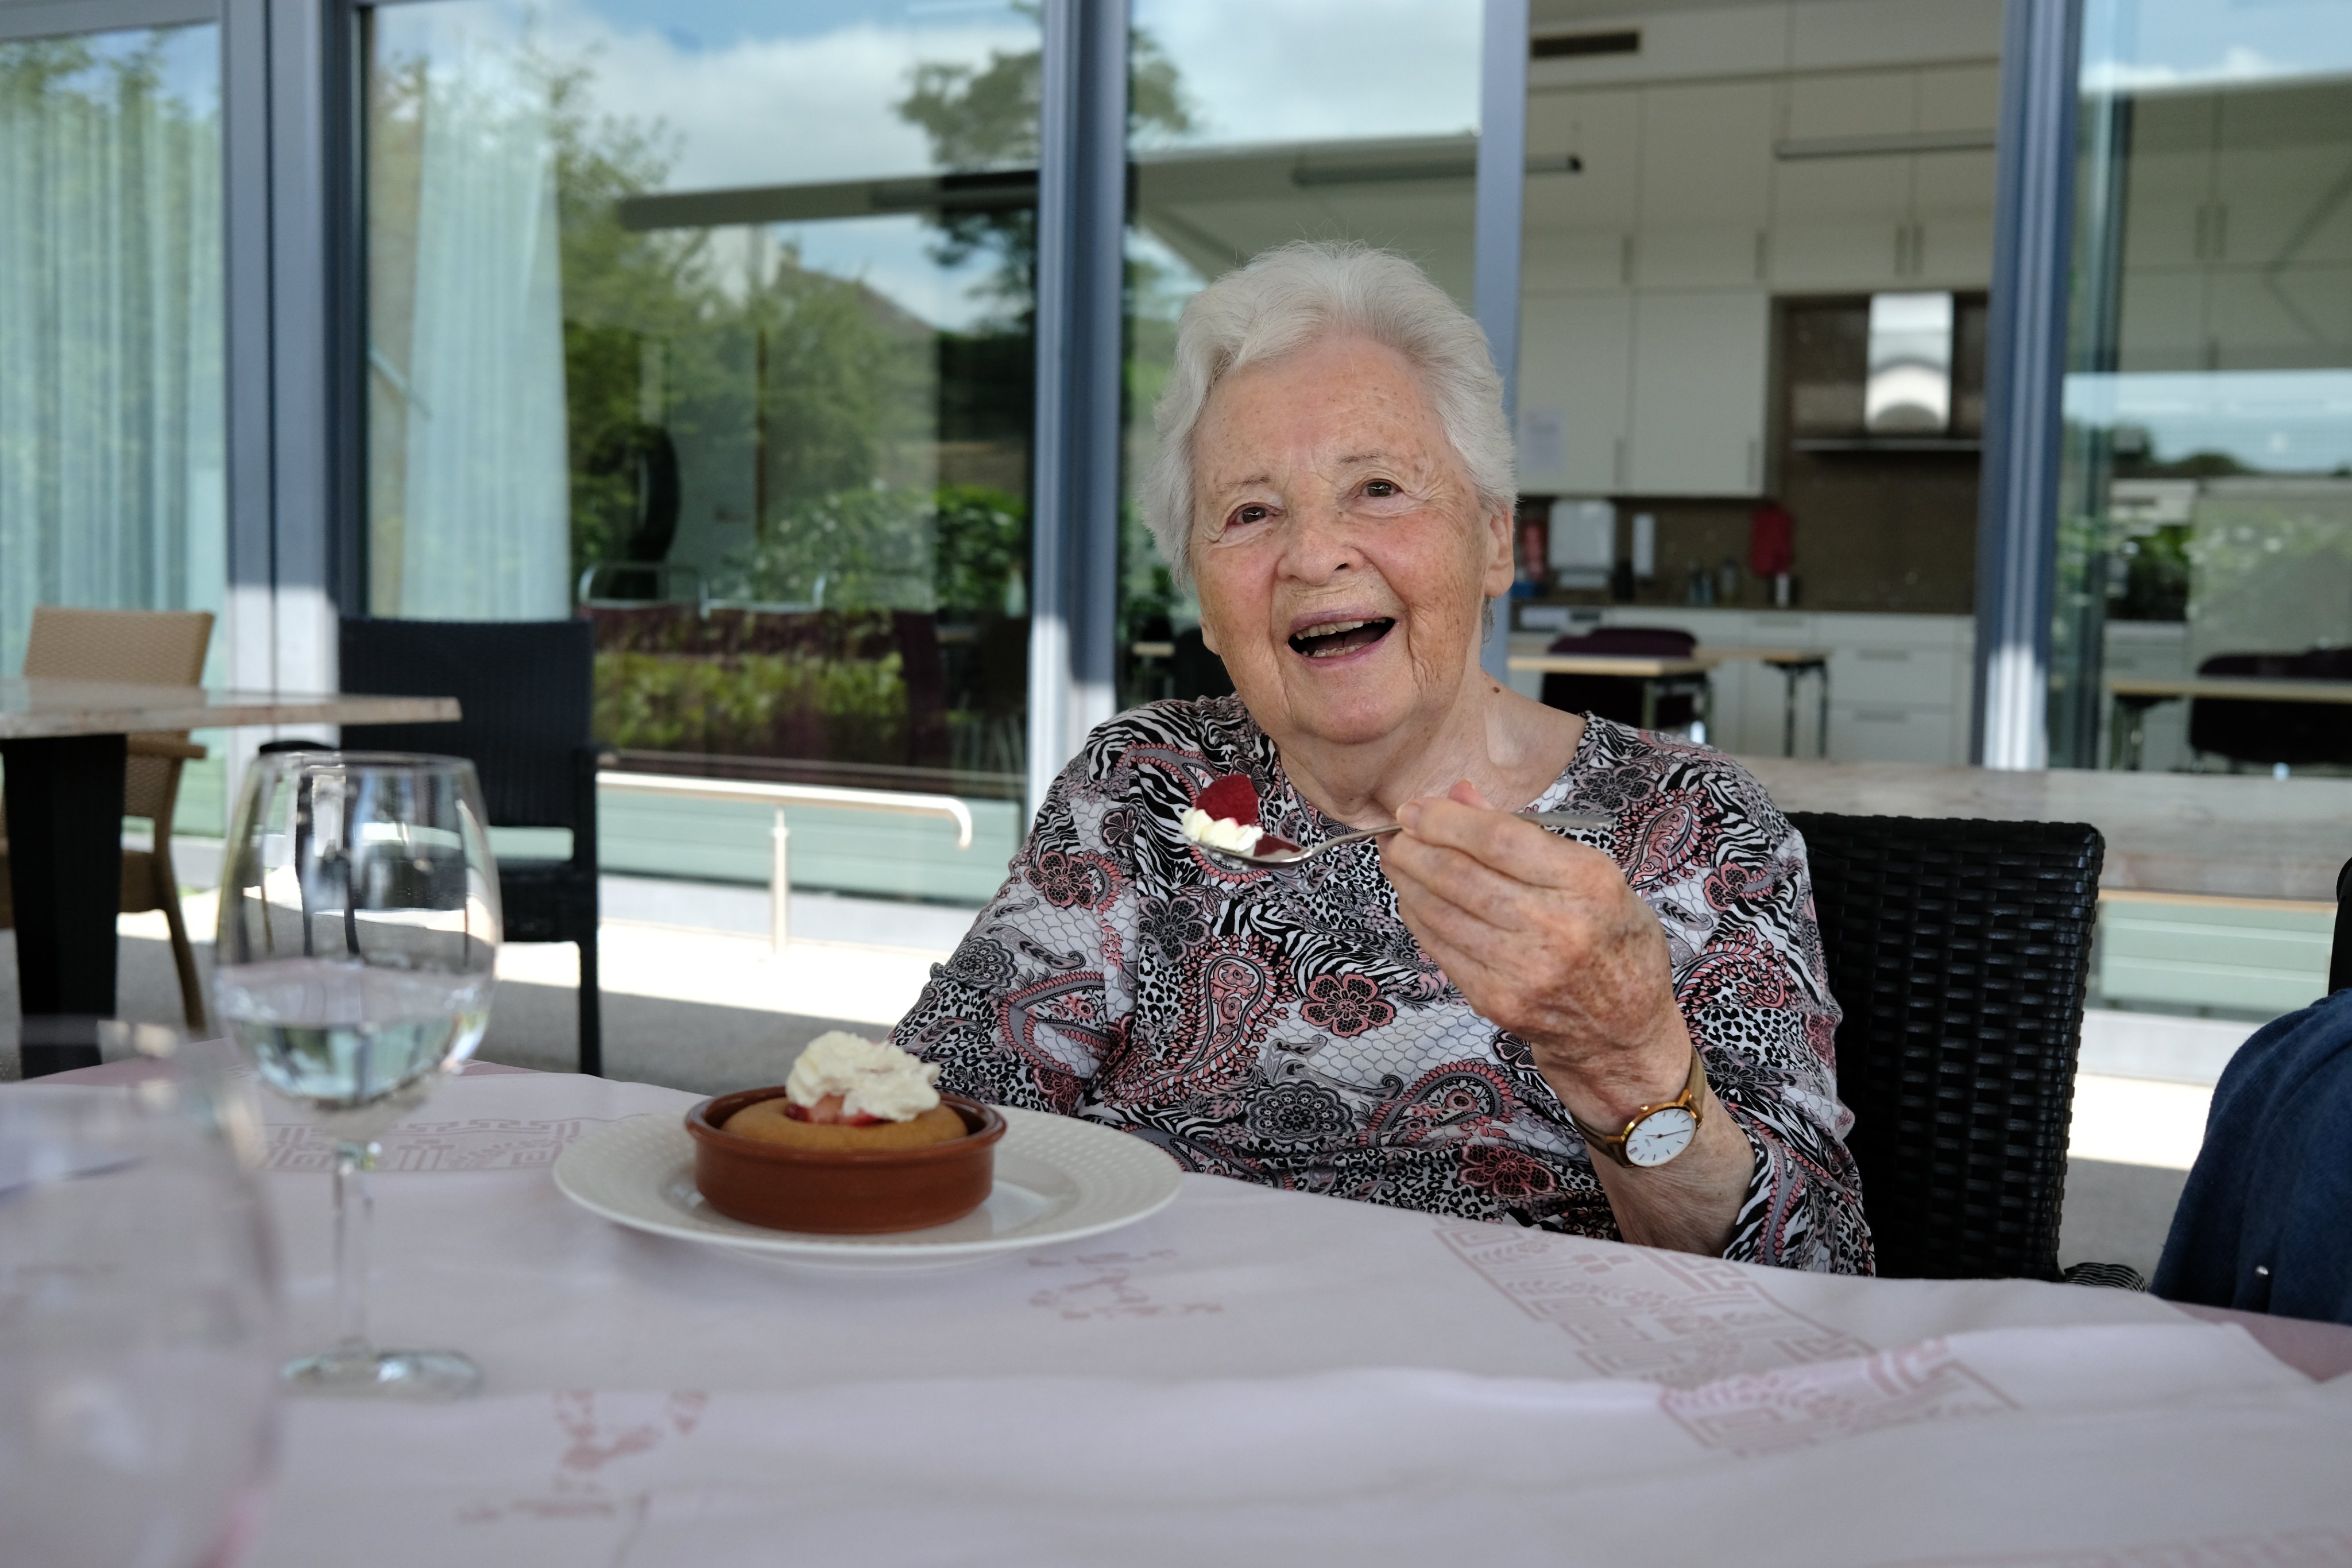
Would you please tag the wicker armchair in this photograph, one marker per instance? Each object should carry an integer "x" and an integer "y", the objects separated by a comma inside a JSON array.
[
  {"x": 1961, "y": 952},
  {"x": 145, "y": 647},
  {"x": 525, "y": 689}
]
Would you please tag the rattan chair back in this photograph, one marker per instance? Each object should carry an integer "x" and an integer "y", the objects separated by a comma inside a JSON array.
[{"x": 1961, "y": 952}]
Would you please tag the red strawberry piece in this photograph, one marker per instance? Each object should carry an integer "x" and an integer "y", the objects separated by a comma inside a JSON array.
[
  {"x": 827, "y": 1113},
  {"x": 1268, "y": 844},
  {"x": 1233, "y": 798}
]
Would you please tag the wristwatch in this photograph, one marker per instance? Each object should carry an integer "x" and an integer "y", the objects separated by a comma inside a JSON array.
[{"x": 1655, "y": 1133}]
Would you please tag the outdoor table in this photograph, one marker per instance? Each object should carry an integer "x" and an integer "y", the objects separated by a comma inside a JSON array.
[
  {"x": 63, "y": 742},
  {"x": 2134, "y": 694},
  {"x": 1250, "y": 1376},
  {"x": 1794, "y": 664}
]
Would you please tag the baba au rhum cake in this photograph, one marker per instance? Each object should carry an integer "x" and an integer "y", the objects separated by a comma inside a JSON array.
[
  {"x": 859, "y": 1141},
  {"x": 848, "y": 1092}
]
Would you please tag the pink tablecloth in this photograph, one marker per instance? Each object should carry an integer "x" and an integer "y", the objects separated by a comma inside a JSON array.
[{"x": 1248, "y": 1376}]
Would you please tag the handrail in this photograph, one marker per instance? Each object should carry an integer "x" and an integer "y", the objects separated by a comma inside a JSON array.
[
  {"x": 748, "y": 792},
  {"x": 660, "y": 570},
  {"x": 778, "y": 796}
]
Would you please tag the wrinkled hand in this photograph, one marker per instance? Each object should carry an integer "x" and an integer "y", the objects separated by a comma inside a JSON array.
[{"x": 1543, "y": 936}]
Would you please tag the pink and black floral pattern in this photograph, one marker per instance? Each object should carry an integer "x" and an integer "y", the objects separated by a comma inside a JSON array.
[{"x": 1284, "y": 1028}]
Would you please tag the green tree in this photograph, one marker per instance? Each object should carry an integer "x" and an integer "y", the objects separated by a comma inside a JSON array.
[{"x": 986, "y": 117}]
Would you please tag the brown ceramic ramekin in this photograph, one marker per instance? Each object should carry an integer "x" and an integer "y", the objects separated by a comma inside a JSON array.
[{"x": 842, "y": 1192}]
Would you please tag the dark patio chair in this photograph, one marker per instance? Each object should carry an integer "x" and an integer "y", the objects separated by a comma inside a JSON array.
[
  {"x": 2266, "y": 732},
  {"x": 525, "y": 689},
  {"x": 1961, "y": 952},
  {"x": 1195, "y": 671},
  {"x": 1674, "y": 701}
]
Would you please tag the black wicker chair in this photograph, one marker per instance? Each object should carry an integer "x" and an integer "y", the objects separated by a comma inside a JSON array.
[
  {"x": 525, "y": 688},
  {"x": 1961, "y": 952}
]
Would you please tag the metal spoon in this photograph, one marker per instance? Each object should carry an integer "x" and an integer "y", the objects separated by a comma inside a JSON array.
[{"x": 1588, "y": 821}]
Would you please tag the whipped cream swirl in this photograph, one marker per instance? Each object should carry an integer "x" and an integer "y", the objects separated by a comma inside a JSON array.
[
  {"x": 1220, "y": 833},
  {"x": 873, "y": 1078}
]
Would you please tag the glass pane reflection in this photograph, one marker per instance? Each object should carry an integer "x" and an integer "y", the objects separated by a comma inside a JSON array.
[
  {"x": 1252, "y": 123},
  {"x": 715, "y": 325},
  {"x": 2207, "y": 502},
  {"x": 113, "y": 463}
]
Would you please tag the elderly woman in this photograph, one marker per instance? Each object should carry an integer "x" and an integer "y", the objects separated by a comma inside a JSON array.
[{"x": 1622, "y": 1034}]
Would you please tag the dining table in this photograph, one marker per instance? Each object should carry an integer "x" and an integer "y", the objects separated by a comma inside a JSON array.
[
  {"x": 1247, "y": 1376},
  {"x": 64, "y": 743},
  {"x": 1794, "y": 664}
]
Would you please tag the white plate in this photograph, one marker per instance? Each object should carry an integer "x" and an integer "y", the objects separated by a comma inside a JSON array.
[{"x": 1056, "y": 1179}]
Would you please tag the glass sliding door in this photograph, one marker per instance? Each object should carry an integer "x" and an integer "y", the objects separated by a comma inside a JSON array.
[
  {"x": 113, "y": 473},
  {"x": 2206, "y": 522},
  {"x": 1250, "y": 125},
  {"x": 1757, "y": 250},
  {"x": 714, "y": 324}
]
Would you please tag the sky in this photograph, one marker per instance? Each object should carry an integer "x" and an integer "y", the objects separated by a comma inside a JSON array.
[
  {"x": 2156, "y": 43},
  {"x": 759, "y": 92},
  {"x": 2288, "y": 421},
  {"x": 190, "y": 65}
]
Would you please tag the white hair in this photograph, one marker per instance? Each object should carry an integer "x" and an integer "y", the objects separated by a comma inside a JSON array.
[{"x": 1288, "y": 298}]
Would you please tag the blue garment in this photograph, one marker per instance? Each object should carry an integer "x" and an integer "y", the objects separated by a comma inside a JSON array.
[{"x": 2265, "y": 1222}]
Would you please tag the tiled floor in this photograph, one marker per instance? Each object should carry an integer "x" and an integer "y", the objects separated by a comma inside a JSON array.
[{"x": 695, "y": 998}]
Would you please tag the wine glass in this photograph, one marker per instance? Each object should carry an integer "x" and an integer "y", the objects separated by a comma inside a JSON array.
[
  {"x": 138, "y": 1322},
  {"x": 359, "y": 933}
]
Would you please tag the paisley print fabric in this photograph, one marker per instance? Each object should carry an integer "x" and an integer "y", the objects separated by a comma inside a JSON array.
[{"x": 1285, "y": 1027}]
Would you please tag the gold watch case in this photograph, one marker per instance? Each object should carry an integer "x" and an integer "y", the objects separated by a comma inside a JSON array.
[{"x": 1654, "y": 1135}]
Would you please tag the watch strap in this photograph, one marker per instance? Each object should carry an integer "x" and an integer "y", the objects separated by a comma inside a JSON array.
[{"x": 1692, "y": 1099}]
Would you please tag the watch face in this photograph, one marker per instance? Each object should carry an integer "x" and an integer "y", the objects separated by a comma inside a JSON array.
[{"x": 1660, "y": 1136}]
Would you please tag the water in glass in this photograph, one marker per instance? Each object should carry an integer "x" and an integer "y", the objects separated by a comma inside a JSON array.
[{"x": 359, "y": 934}]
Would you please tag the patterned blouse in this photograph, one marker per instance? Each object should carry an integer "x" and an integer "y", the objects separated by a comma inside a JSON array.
[{"x": 1286, "y": 1028}]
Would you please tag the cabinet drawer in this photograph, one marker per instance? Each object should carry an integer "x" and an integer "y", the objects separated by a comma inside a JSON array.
[
  {"x": 1873, "y": 732},
  {"x": 1892, "y": 674}
]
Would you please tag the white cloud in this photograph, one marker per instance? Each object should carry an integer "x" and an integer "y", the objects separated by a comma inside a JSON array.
[
  {"x": 2238, "y": 63},
  {"x": 1318, "y": 69},
  {"x": 2137, "y": 45},
  {"x": 762, "y": 111}
]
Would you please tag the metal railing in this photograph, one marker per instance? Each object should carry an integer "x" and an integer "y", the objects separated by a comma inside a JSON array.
[
  {"x": 660, "y": 571},
  {"x": 778, "y": 796}
]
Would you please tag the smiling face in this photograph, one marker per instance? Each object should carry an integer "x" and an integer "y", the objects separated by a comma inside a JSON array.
[{"x": 1342, "y": 557}]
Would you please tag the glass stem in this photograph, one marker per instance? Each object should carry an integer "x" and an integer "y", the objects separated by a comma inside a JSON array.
[{"x": 354, "y": 1212}]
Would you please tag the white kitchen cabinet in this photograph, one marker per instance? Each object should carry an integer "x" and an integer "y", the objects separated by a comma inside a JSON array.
[
  {"x": 1602, "y": 128},
  {"x": 1698, "y": 393},
  {"x": 1895, "y": 732},
  {"x": 2163, "y": 319},
  {"x": 1900, "y": 685},
  {"x": 1576, "y": 360},
  {"x": 1705, "y": 186},
  {"x": 1851, "y": 103},
  {"x": 1885, "y": 218},
  {"x": 1951, "y": 207},
  {"x": 1707, "y": 154},
  {"x": 1959, "y": 98}
]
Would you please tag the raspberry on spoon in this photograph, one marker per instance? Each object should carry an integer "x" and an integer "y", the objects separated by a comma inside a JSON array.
[{"x": 1231, "y": 799}]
